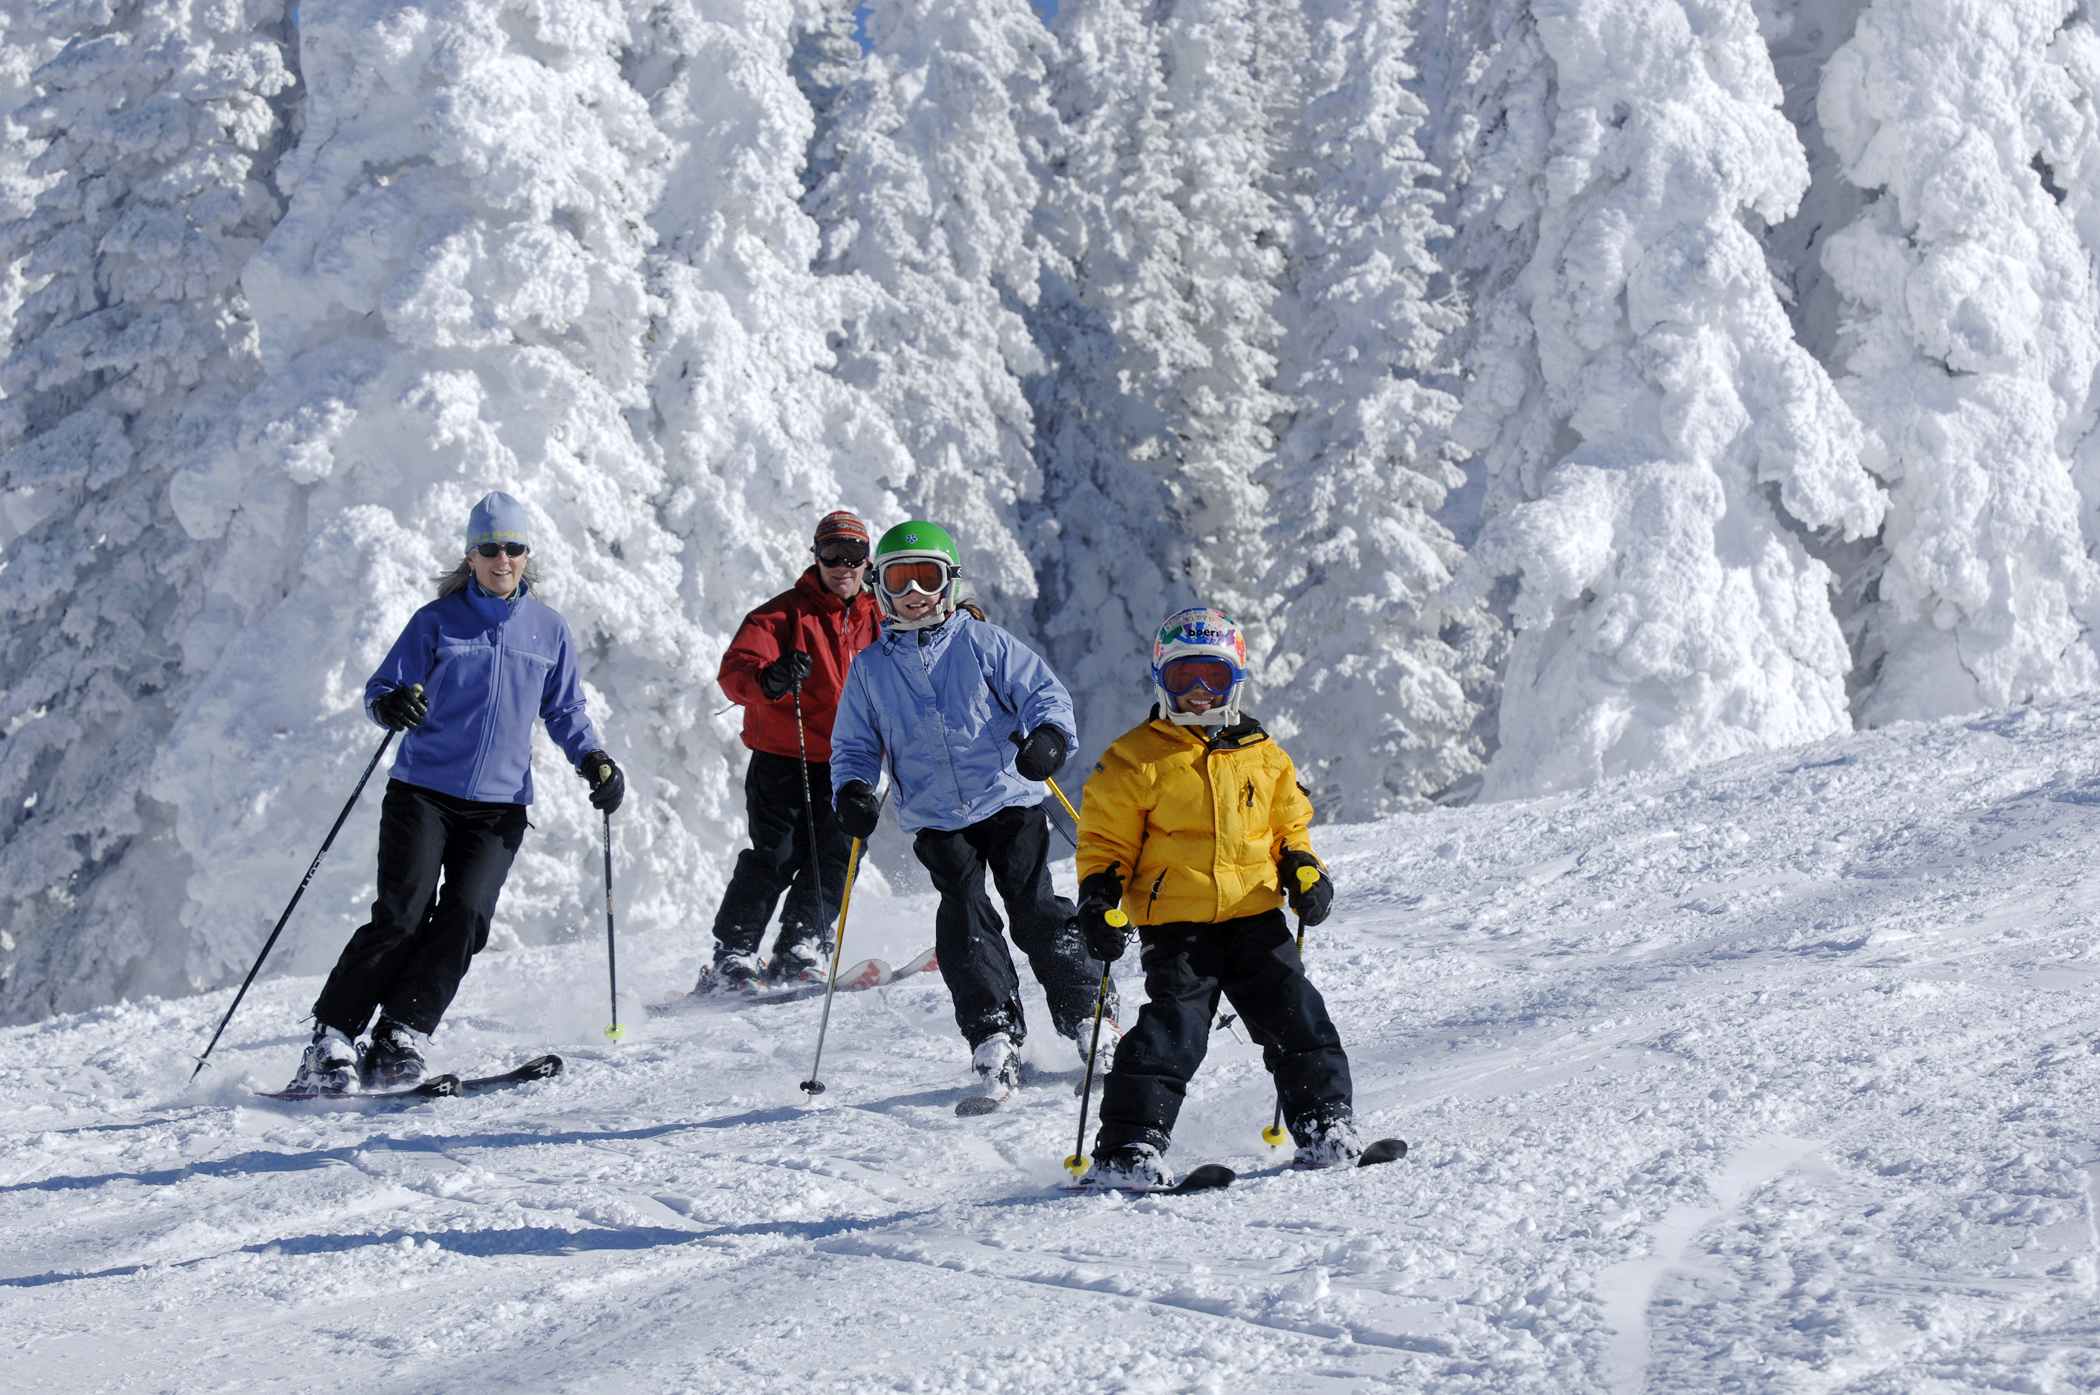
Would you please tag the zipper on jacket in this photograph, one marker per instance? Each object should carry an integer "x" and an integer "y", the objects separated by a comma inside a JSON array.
[
  {"x": 1250, "y": 794},
  {"x": 489, "y": 709},
  {"x": 1157, "y": 882}
]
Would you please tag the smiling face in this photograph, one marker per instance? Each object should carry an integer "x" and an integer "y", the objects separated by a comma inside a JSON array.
[
  {"x": 915, "y": 605},
  {"x": 498, "y": 575}
]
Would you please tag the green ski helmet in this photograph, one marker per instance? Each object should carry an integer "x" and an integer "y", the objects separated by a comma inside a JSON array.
[{"x": 926, "y": 560}]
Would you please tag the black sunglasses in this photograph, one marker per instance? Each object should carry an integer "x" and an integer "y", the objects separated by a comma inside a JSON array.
[
  {"x": 842, "y": 559},
  {"x": 499, "y": 549}
]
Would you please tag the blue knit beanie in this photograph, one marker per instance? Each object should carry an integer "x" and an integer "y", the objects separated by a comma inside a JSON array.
[{"x": 498, "y": 518}]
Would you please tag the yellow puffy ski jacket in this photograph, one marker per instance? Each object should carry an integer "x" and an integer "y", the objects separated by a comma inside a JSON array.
[{"x": 1197, "y": 816}]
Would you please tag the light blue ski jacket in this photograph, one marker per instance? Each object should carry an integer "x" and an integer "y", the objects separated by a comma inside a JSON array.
[
  {"x": 939, "y": 706},
  {"x": 488, "y": 666}
]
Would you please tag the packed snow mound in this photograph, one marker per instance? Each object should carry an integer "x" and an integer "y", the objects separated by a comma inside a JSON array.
[{"x": 1775, "y": 1076}]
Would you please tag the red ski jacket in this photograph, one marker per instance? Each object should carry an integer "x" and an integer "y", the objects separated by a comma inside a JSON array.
[{"x": 831, "y": 632}]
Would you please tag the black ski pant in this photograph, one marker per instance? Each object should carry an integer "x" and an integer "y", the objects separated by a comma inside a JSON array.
[
  {"x": 778, "y": 860},
  {"x": 1014, "y": 846},
  {"x": 407, "y": 961},
  {"x": 1254, "y": 964}
]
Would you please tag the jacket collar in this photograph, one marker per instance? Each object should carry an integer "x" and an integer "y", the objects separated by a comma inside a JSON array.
[
  {"x": 1245, "y": 733},
  {"x": 932, "y": 637},
  {"x": 496, "y": 608}
]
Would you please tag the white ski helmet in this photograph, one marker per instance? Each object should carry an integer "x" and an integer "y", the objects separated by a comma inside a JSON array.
[{"x": 1203, "y": 634}]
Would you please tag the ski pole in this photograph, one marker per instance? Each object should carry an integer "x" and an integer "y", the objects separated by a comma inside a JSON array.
[
  {"x": 612, "y": 969},
  {"x": 1275, "y": 1133},
  {"x": 809, "y": 808},
  {"x": 1077, "y": 1163},
  {"x": 813, "y": 1086},
  {"x": 314, "y": 866}
]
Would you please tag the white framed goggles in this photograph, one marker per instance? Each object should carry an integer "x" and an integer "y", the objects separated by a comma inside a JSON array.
[{"x": 928, "y": 576}]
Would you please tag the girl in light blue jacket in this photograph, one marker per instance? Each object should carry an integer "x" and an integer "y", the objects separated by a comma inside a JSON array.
[{"x": 969, "y": 722}]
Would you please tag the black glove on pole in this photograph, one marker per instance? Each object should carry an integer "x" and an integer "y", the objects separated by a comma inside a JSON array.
[
  {"x": 1105, "y": 934},
  {"x": 1042, "y": 754},
  {"x": 402, "y": 709},
  {"x": 608, "y": 785},
  {"x": 858, "y": 809},
  {"x": 314, "y": 866},
  {"x": 1305, "y": 886},
  {"x": 784, "y": 674}
]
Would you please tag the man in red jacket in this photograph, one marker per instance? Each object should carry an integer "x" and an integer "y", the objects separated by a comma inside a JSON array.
[{"x": 800, "y": 643}]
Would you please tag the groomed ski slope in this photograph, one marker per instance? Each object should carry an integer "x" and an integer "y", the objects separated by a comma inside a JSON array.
[{"x": 1780, "y": 1076}]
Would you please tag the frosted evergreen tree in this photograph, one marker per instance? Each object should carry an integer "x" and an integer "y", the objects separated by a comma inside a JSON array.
[
  {"x": 455, "y": 301},
  {"x": 1970, "y": 338},
  {"x": 759, "y": 439},
  {"x": 28, "y": 40},
  {"x": 156, "y": 131},
  {"x": 1165, "y": 332},
  {"x": 1652, "y": 437},
  {"x": 934, "y": 162},
  {"x": 1367, "y": 690}
]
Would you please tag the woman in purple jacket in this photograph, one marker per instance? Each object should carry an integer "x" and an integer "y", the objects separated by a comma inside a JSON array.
[{"x": 466, "y": 680}]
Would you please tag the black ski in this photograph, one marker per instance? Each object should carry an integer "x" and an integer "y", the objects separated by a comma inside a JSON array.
[
  {"x": 446, "y": 1086},
  {"x": 436, "y": 1087},
  {"x": 975, "y": 1105},
  {"x": 538, "y": 1068},
  {"x": 1209, "y": 1177},
  {"x": 1385, "y": 1150}
]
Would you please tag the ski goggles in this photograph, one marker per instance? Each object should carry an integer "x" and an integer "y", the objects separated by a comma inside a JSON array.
[
  {"x": 844, "y": 557},
  {"x": 503, "y": 549},
  {"x": 1214, "y": 676},
  {"x": 917, "y": 574}
]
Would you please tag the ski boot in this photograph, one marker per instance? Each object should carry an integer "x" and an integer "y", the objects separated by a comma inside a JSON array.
[
  {"x": 997, "y": 1062},
  {"x": 730, "y": 975},
  {"x": 393, "y": 1061},
  {"x": 1128, "y": 1167},
  {"x": 805, "y": 961},
  {"x": 1111, "y": 1038},
  {"x": 329, "y": 1067},
  {"x": 1330, "y": 1143}
]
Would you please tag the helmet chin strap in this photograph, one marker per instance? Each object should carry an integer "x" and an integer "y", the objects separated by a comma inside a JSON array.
[{"x": 1225, "y": 714}]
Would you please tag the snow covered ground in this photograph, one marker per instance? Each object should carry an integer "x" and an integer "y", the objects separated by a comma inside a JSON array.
[{"x": 1778, "y": 1076}]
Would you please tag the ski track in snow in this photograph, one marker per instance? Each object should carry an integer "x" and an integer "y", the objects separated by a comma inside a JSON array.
[{"x": 1777, "y": 1076}]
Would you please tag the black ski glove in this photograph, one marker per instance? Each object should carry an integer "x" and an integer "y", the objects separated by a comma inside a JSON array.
[
  {"x": 1042, "y": 754},
  {"x": 402, "y": 709},
  {"x": 608, "y": 785},
  {"x": 857, "y": 808},
  {"x": 1099, "y": 895},
  {"x": 1310, "y": 897},
  {"x": 784, "y": 673}
]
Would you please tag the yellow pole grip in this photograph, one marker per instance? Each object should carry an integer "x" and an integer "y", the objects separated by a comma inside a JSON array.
[{"x": 1306, "y": 877}]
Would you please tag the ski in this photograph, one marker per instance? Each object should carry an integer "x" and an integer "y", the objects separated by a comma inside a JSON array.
[
  {"x": 436, "y": 1087},
  {"x": 1209, "y": 1177},
  {"x": 1385, "y": 1150},
  {"x": 868, "y": 973},
  {"x": 975, "y": 1105},
  {"x": 447, "y": 1086},
  {"x": 538, "y": 1068}
]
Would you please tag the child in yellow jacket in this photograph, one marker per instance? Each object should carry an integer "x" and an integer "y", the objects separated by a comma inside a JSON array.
[{"x": 1195, "y": 825}]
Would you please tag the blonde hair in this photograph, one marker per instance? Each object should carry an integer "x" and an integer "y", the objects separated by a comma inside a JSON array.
[{"x": 455, "y": 581}]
